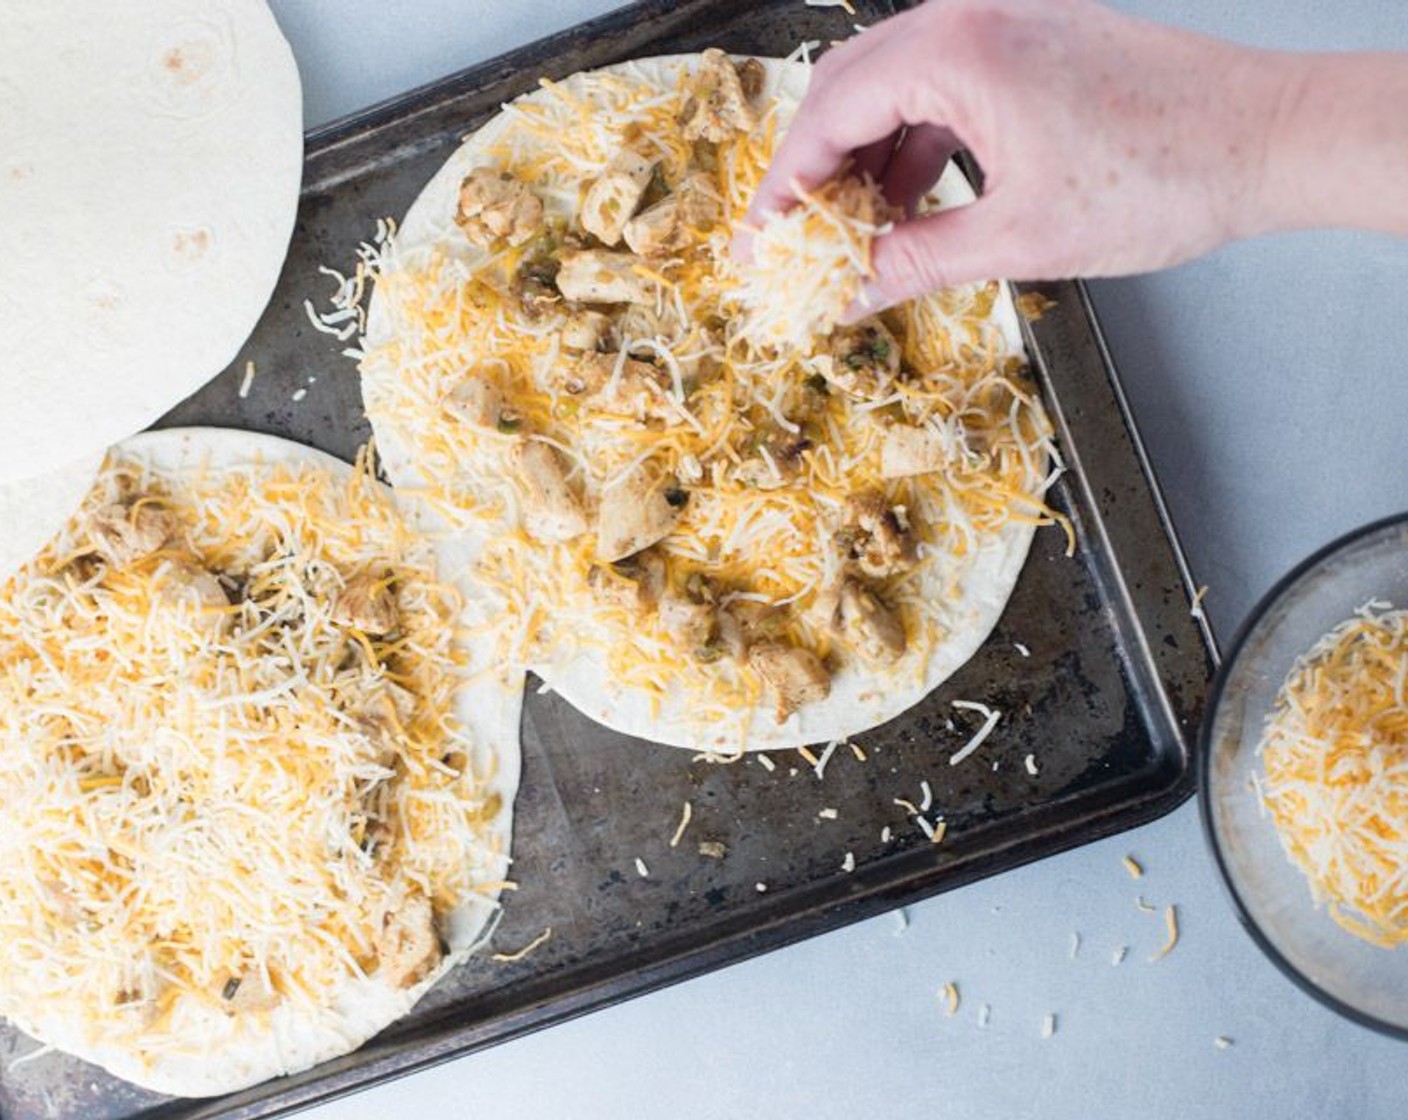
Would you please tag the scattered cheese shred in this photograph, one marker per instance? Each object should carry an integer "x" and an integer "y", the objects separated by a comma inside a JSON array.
[
  {"x": 1171, "y": 925},
  {"x": 537, "y": 943},
  {"x": 248, "y": 380},
  {"x": 766, "y": 763},
  {"x": 828, "y": 814},
  {"x": 685, "y": 815},
  {"x": 949, "y": 992},
  {"x": 849, "y": 863},
  {"x": 641, "y": 869},
  {"x": 1118, "y": 956},
  {"x": 1222, "y": 1042},
  {"x": 1030, "y": 763},
  {"x": 1132, "y": 866},
  {"x": 1048, "y": 1026},
  {"x": 990, "y": 718}
]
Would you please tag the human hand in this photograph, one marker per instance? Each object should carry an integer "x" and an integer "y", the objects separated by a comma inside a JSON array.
[{"x": 1109, "y": 145}]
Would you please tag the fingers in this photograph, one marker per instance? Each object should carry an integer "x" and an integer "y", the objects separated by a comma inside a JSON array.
[
  {"x": 980, "y": 241},
  {"x": 915, "y": 165},
  {"x": 838, "y": 117},
  {"x": 874, "y": 158}
]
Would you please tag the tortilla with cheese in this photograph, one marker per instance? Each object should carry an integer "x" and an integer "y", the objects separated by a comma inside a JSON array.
[
  {"x": 253, "y": 809},
  {"x": 695, "y": 539}
]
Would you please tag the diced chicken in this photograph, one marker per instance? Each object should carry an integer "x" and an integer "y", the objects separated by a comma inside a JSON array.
[
  {"x": 633, "y": 584},
  {"x": 794, "y": 676},
  {"x": 248, "y": 994},
  {"x": 718, "y": 107},
  {"x": 535, "y": 284},
  {"x": 407, "y": 946},
  {"x": 365, "y": 604},
  {"x": 700, "y": 204},
  {"x": 552, "y": 512},
  {"x": 868, "y": 626},
  {"x": 907, "y": 449},
  {"x": 584, "y": 330},
  {"x": 601, "y": 276},
  {"x": 193, "y": 587},
  {"x": 639, "y": 390},
  {"x": 636, "y": 512},
  {"x": 864, "y": 360},
  {"x": 494, "y": 207},
  {"x": 688, "y": 623},
  {"x": 613, "y": 198},
  {"x": 126, "y": 531},
  {"x": 657, "y": 230},
  {"x": 879, "y": 538},
  {"x": 644, "y": 321},
  {"x": 751, "y": 77},
  {"x": 476, "y": 400}
]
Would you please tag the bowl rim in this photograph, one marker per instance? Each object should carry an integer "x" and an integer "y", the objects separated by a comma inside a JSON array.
[{"x": 1203, "y": 763}]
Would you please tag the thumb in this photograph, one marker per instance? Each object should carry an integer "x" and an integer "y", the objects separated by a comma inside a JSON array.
[{"x": 979, "y": 241}]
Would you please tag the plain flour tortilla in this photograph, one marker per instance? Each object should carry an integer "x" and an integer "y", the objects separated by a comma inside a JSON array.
[
  {"x": 33, "y": 510},
  {"x": 229, "y": 1053},
  {"x": 861, "y": 697},
  {"x": 150, "y": 158}
]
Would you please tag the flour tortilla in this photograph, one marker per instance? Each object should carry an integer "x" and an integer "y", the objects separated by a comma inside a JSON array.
[
  {"x": 33, "y": 510},
  {"x": 861, "y": 697},
  {"x": 226, "y": 1053},
  {"x": 150, "y": 157}
]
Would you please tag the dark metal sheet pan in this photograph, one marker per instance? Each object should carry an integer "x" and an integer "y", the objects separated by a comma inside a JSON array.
[{"x": 1106, "y": 703}]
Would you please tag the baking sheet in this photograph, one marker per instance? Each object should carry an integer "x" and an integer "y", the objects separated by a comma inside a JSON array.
[{"x": 1106, "y": 704}]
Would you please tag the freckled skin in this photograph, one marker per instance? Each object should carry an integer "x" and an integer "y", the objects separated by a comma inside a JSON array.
[{"x": 1109, "y": 145}]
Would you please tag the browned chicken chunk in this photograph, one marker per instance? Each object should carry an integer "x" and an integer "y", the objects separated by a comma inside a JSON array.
[
  {"x": 657, "y": 230},
  {"x": 614, "y": 196},
  {"x": 718, "y": 106},
  {"x": 126, "y": 531},
  {"x": 637, "y": 511},
  {"x": 868, "y": 626},
  {"x": 878, "y": 537},
  {"x": 601, "y": 276},
  {"x": 688, "y": 623},
  {"x": 477, "y": 401},
  {"x": 633, "y": 584},
  {"x": 407, "y": 945},
  {"x": 794, "y": 676},
  {"x": 551, "y": 510},
  {"x": 495, "y": 207},
  {"x": 864, "y": 360},
  {"x": 585, "y": 330},
  {"x": 366, "y": 604},
  {"x": 908, "y": 449}
]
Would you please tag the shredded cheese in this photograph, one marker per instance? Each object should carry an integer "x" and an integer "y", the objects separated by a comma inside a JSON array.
[
  {"x": 537, "y": 943},
  {"x": 1171, "y": 925},
  {"x": 1336, "y": 779}
]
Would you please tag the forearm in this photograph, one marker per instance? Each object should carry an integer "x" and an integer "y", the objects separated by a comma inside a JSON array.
[{"x": 1337, "y": 144}]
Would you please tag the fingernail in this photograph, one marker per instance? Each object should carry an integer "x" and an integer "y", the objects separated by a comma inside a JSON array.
[{"x": 870, "y": 300}]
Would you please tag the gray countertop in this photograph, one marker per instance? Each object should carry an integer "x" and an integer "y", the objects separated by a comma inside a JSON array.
[{"x": 1271, "y": 385}]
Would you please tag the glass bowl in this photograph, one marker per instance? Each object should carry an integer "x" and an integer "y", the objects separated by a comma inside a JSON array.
[{"x": 1272, "y": 896}]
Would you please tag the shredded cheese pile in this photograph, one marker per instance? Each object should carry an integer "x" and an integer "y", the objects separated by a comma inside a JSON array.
[
  {"x": 196, "y": 803},
  {"x": 1335, "y": 752},
  {"x": 751, "y": 521},
  {"x": 809, "y": 263}
]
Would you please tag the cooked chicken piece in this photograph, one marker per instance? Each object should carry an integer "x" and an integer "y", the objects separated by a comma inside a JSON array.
[
  {"x": 700, "y": 204},
  {"x": 248, "y": 994},
  {"x": 407, "y": 946},
  {"x": 751, "y": 77},
  {"x": 613, "y": 198},
  {"x": 126, "y": 531},
  {"x": 585, "y": 330},
  {"x": 365, "y": 604},
  {"x": 552, "y": 512},
  {"x": 192, "y": 586},
  {"x": 864, "y": 360},
  {"x": 494, "y": 206},
  {"x": 869, "y": 627},
  {"x": 717, "y": 107},
  {"x": 476, "y": 400},
  {"x": 634, "y": 583},
  {"x": 794, "y": 676},
  {"x": 601, "y": 276},
  {"x": 779, "y": 466},
  {"x": 636, "y": 512},
  {"x": 689, "y": 623},
  {"x": 535, "y": 284},
  {"x": 906, "y": 450},
  {"x": 879, "y": 538},
  {"x": 657, "y": 231},
  {"x": 643, "y": 321}
]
